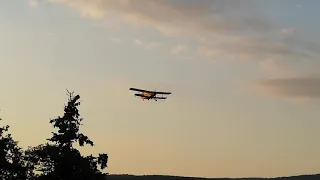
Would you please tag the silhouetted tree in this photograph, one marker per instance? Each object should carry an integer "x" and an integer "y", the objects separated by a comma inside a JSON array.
[
  {"x": 58, "y": 159},
  {"x": 12, "y": 163}
]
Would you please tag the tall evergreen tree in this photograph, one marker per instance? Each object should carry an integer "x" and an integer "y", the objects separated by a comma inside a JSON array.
[{"x": 58, "y": 159}]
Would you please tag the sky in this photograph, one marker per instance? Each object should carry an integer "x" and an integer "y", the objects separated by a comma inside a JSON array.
[{"x": 244, "y": 77}]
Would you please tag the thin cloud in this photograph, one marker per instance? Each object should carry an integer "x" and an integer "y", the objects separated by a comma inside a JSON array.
[
  {"x": 33, "y": 3},
  {"x": 288, "y": 31},
  {"x": 292, "y": 87},
  {"x": 147, "y": 45},
  {"x": 251, "y": 48},
  {"x": 178, "y": 49},
  {"x": 220, "y": 28},
  {"x": 275, "y": 68},
  {"x": 216, "y": 25},
  {"x": 171, "y": 17}
]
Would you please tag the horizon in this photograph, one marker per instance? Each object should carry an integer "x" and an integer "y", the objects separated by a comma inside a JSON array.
[
  {"x": 243, "y": 75},
  {"x": 139, "y": 175}
]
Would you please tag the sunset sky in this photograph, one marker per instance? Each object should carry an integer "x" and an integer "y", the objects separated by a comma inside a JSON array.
[{"x": 244, "y": 77}]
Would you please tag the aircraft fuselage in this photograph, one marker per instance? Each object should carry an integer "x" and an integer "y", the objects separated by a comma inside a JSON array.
[{"x": 147, "y": 95}]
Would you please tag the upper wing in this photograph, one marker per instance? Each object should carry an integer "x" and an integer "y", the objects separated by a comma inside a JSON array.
[
  {"x": 162, "y": 92},
  {"x": 140, "y": 90}
]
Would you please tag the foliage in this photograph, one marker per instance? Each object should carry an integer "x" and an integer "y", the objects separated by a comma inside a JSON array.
[
  {"x": 12, "y": 163},
  {"x": 58, "y": 159}
]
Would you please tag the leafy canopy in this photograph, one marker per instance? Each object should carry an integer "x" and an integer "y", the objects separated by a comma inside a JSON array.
[{"x": 59, "y": 159}]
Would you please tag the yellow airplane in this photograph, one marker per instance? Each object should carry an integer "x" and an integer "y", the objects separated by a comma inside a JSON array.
[{"x": 145, "y": 94}]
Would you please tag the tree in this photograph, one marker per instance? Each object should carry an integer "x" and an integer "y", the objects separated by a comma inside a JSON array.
[
  {"x": 58, "y": 159},
  {"x": 12, "y": 163}
]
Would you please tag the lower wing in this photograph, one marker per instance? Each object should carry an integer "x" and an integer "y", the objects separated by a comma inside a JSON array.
[
  {"x": 159, "y": 97},
  {"x": 140, "y": 95},
  {"x": 163, "y": 93}
]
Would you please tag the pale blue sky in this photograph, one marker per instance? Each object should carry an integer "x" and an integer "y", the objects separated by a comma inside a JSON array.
[{"x": 222, "y": 119}]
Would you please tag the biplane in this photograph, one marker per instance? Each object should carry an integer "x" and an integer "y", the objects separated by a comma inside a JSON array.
[{"x": 145, "y": 94}]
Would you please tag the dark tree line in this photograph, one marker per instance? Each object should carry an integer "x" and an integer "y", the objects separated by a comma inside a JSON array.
[{"x": 57, "y": 159}]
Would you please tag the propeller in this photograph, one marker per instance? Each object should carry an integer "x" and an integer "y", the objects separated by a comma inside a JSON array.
[{"x": 155, "y": 90}]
